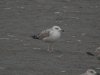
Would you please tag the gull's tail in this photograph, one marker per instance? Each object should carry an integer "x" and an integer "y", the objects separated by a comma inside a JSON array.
[{"x": 35, "y": 37}]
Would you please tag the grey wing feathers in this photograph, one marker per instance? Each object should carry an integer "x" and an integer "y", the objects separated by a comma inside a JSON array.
[{"x": 44, "y": 34}]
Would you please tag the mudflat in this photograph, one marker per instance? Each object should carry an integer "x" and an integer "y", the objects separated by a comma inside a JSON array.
[{"x": 22, "y": 55}]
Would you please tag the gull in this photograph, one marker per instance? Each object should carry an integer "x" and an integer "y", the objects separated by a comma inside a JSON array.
[
  {"x": 90, "y": 72},
  {"x": 49, "y": 36}
]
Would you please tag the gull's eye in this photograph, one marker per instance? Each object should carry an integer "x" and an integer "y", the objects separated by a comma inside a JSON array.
[
  {"x": 91, "y": 72},
  {"x": 56, "y": 28}
]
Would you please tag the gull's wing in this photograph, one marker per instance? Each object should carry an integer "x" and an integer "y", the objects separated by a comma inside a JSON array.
[{"x": 44, "y": 34}]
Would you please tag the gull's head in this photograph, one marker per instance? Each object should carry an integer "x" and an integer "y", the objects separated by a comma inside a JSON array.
[
  {"x": 91, "y": 72},
  {"x": 57, "y": 28}
]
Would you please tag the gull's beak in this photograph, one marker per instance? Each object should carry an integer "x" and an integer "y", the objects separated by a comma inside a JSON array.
[{"x": 62, "y": 30}]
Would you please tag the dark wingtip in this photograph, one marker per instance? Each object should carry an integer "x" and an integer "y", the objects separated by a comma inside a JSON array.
[
  {"x": 34, "y": 37},
  {"x": 89, "y": 53}
]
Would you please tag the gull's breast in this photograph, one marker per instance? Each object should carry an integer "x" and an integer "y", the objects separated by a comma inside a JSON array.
[{"x": 53, "y": 37}]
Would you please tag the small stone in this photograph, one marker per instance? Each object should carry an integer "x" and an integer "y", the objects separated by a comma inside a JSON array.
[
  {"x": 79, "y": 40},
  {"x": 73, "y": 36},
  {"x": 22, "y": 7},
  {"x": 57, "y": 12},
  {"x": 11, "y": 35},
  {"x": 63, "y": 71},
  {"x": 75, "y": 17}
]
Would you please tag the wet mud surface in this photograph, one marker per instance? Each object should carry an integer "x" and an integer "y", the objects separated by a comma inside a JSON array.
[{"x": 22, "y": 55}]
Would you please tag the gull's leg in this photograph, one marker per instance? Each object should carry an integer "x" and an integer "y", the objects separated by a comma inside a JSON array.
[{"x": 50, "y": 47}]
